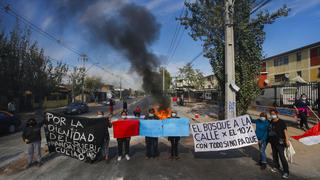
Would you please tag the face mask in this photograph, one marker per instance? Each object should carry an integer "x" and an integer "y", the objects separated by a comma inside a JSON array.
[
  {"x": 99, "y": 116},
  {"x": 304, "y": 99},
  {"x": 274, "y": 116},
  {"x": 262, "y": 118},
  {"x": 151, "y": 115},
  {"x": 173, "y": 114}
]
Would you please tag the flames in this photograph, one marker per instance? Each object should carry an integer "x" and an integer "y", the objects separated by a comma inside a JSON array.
[{"x": 163, "y": 114}]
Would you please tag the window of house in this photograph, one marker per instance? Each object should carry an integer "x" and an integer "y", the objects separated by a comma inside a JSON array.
[
  {"x": 299, "y": 56},
  {"x": 299, "y": 73},
  {"x": 280, "y": 78},
  {"x": 281, "y": 61}
]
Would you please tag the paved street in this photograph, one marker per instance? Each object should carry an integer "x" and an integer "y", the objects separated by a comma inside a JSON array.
[{"x": 231, "y": 164}]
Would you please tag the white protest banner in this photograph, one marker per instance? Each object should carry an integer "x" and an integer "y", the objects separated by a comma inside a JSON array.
[{"x": 223, "y": 135}]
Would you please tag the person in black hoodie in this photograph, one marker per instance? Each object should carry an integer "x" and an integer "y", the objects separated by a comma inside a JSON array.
[
  {"x": 32, "y": 137},
  {"x": 152, "y": 142}
]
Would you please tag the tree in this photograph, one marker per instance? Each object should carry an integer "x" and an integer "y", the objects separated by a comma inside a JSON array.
[
  {"x": 167, "y": 77},
  {"x": 205, "y": 18},
  {"x": 76, "y": 80},
  {"x": 192, "y": 77},
  {"x": 93, "y": 84}
]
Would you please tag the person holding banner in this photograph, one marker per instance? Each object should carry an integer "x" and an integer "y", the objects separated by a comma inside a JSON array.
[
  {"x": 107, "y": 139},
  {"x": 123, "y": 142},
  {"x": 302, "y": 108},
  {"x": 174, "y": 141},
  {"x": 262, "y": 125},
  {"x": 278, "y": 138},
  {"x": 151, "y": 142},
  {"x": 137, "y": 111},
  {"x": 31, "y": 135}
]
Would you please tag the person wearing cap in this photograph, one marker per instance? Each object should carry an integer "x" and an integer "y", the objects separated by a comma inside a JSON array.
[
  {"x": 151, "y": 142},
  {"x": 174, "y": 140},
  {"x": 31, "y": 135},
  {"x": 123, "y": 142}
]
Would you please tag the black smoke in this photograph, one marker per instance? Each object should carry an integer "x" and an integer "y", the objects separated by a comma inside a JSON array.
[{"x": 130, "y": 29}]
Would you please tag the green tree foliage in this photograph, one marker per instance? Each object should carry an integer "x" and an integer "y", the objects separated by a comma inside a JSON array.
[
  {"x": 192, "y": 77},
  {"x": 24, "y": 67},
  {"x": 76, "y": 78},
  {"x": 205, "y": 18},
  {"x": 167, "y": 78},
  {"x": 93, "y": 83}
]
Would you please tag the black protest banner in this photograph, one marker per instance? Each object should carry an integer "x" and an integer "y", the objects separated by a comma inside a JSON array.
[
  {"x": 77, "y": 137},
  {"x": 223, "y": 135}
]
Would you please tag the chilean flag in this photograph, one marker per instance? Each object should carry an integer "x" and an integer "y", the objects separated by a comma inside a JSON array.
[{"x": 310, "y": 137}]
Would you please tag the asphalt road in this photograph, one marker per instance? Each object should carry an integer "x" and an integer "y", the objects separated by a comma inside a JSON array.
[{"x": 232, "y": 164}]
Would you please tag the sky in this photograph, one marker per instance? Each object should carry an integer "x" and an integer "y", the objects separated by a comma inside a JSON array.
[{"x": 300, "y": 28}]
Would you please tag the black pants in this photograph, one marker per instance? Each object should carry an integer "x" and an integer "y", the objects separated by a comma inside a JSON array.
[
  {"x": 278, "y": 152},
  {"x": 152, "y": 147},
  {"x": 174, "y": 145},
  {"x": 123, "y": 142},
  {"x": 304, "y": 120}
]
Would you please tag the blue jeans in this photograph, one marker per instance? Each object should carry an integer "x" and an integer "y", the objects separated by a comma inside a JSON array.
[
  {"x": 34, "y": 150},
  {"x": 262, "y": 149}
]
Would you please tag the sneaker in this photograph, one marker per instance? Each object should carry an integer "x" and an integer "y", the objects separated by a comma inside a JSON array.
[
  {"x": 177, "y": 157},
  {"x": 285, "y": 176},
  {"x": 274, "y": 169},
  {"x": 39, "y": 164},
  {"x": 127, "y": 157},
  {"x": 147, "y": 158},
  {"x": 119, "y": 158},
  {"x": 27, "y": 166}
]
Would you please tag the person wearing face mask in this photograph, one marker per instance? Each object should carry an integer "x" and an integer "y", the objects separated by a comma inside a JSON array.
[
  {"x": 123, "y": 142},
  {"x": 151, "y": 142},
  {"x": 279, "y": 140},
  {"x": 302, "y": 109},
  {"x": 174, "y": 141},
  {"x": 100, "y": 114},
  {"x": 262, "y": 125},
  {"x": 31, "y": 135}
]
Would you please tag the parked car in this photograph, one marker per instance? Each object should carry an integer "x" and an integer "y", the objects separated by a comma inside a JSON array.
[
  {"x": 9, "y": 122},
  {"x": 76, "y": 108}
]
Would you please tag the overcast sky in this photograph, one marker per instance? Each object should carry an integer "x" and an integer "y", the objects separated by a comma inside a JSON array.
[{"x": 300, "y": 28}]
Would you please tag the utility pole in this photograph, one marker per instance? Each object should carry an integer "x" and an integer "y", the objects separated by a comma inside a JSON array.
[
  {"x": 83, "y": 58},
  {"x": 163, "y": 80},
  {"x": 230, "y": 91},
  {"x": 120, "y": 89}
]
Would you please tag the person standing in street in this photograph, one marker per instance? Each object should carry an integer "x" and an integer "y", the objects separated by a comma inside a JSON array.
[
  {"x": 174, "y": 140},
  {"x": 123, "y": 142},
  {"x": 137, "y": 111},
  {"x": 125, "y": 106},
  {"x": 278, "y": 138},
  {"x": 107, "y": 139},
  {"x": 31, "y": 135},
  {"x": 111, "y": 104},
  {"x": 12, "y": 107},
  {"x": 151, "y": 142},
  {"x": 262, "y": 125},
  {"x": 302, "y": 108}
]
